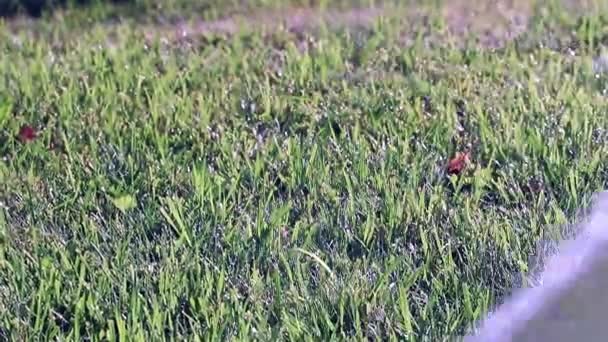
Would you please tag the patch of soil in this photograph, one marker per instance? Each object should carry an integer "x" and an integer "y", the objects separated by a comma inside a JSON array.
[
  {"x": 297, "y": 20},
  {"x": 493, "y": 22}
]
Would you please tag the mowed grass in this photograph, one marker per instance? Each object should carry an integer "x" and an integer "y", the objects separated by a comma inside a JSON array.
[{"x": 272, "y": 185}]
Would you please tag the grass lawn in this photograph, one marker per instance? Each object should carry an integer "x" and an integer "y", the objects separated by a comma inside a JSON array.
[{"x": 356, "y": 173}]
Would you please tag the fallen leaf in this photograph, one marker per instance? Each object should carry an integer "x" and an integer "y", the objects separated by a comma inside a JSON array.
[
  {"x": 124, "y": 202},
  {"x": 27, "y": 133},
  {"x": 457, "y": 164}
]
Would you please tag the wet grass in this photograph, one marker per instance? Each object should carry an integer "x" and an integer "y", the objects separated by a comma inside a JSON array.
[{"x": 277, "y": 185}]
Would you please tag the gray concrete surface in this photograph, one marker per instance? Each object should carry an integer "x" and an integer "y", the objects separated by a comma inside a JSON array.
[{"x": 571, "y": 303}]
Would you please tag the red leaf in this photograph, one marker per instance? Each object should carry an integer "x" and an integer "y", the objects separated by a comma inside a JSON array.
[
  {"x": 27, "y": 133},
  {"x": 457, "y": 164}
]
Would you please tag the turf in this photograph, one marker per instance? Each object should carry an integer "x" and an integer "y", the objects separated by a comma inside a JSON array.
[{"x": 267, "y": 184}]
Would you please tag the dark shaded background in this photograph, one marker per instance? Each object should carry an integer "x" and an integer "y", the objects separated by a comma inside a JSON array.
[{"x": 36, "y": 8}]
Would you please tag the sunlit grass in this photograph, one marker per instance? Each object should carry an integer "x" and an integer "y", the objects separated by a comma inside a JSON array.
[{"x": 272, "y": 185}]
